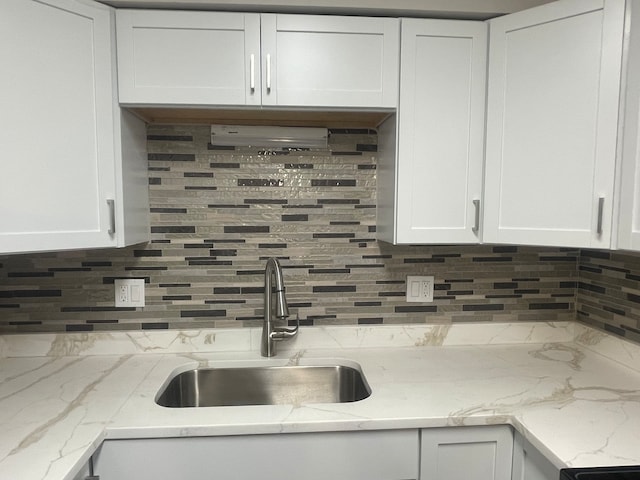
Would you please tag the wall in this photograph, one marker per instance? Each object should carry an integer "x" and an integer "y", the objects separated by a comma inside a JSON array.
[
  {"x": 218, "y": 214},
  {"x": 609, "y": 291}
]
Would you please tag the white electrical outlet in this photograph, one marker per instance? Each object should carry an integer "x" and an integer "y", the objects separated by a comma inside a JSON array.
[
  {"x": 420, "y": 288},
  {"x": 129, "y": 292},
  {"x": 122, "y": 294}
]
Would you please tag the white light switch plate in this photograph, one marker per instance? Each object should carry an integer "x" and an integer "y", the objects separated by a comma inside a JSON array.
[
  {"x": 420, "y": 288},
  {"x": 129, "y": 292}
]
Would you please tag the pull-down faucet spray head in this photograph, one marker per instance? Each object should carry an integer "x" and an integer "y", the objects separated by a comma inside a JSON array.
[
  {"x": 282, "y": 309},
  {"x": 274, "y": 268}
]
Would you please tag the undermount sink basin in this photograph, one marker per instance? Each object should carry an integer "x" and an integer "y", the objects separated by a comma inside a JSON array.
[{"x": 209, "y": 387}]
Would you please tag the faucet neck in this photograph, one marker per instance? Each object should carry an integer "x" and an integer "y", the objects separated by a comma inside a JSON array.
[
  {"x": 272, "y": 271},
  {"x": 273, "y": 268}
]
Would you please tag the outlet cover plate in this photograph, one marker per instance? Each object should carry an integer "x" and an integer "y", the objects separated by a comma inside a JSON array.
[
  {"x": 129, "y": 292},
  {"x": 420, "y": 288}
]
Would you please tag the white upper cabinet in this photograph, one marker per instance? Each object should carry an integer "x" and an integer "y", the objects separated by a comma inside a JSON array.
[
  {"x": 430, "y": 188},
  {"x": 188, "y": 58},
  {"x": 211, "y": 58},
  {"x": 313, "y": 60},
  {"x": 552, "y": 124},
  {"x": 629, "y": 212},
  {"x": 62, "y": 183}
]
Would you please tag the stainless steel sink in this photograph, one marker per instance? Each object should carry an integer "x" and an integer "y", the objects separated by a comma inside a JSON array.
[{"x": 209, "y": 387}]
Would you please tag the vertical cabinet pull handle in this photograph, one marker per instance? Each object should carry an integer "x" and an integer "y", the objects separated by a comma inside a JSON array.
[
  {"x": 268, "y": 72},
  {"x": 476, "y": 224},
  {"x": 252, "y": 72},
  {"x": 600, "y": 215},
  {"x": 112, "y": 216}
]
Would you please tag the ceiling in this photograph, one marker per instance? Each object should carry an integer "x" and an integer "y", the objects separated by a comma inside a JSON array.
[{"x": 467, "y": 9}]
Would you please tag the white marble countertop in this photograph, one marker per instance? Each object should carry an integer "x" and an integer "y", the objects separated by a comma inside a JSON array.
[{"x": 573, "y": 392}]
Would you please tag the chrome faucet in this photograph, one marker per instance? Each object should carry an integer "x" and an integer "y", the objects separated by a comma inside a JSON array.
[{"x": 278, "y": 309}]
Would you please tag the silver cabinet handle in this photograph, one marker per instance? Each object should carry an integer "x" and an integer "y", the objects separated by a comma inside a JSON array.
[
  {"x": 252, "y": 72},
  {"x": 600, "y": 215},
  {"x": 476, "y": 224},
  {"x": 112, "y": 216},
  {"x": 268, "y": 72}
]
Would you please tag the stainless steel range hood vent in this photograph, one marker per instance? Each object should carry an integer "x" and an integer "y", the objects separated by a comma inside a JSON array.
[{"x": 266, "y": 136}]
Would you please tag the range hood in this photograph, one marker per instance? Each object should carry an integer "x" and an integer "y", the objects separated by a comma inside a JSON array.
[{"x": 269, "y": 136}]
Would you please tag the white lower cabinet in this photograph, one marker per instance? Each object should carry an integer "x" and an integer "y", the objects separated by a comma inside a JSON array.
[
  {"x": 463, "y": 453},
  {"x": 84, "y": 472},
  {"x": 530, "y": 464},
  {"x": 454, "y": 453},
  {"x": 378, "y": 455}
]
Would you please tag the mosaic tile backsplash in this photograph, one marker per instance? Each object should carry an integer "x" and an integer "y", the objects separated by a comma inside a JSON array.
[
  {"x": 609, "y": 292},
  {"x": 218, "y": 214}
]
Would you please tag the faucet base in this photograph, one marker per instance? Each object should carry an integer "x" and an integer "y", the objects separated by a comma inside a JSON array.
[{"x": 268, "y": 345}]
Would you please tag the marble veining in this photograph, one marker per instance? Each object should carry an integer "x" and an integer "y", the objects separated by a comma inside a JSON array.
[
  {"x": 566, "y": 354},
  {"x": 573, "y": 398},
  {"x": 436, "y": 337},
  {"x": 248, "y": 339}
]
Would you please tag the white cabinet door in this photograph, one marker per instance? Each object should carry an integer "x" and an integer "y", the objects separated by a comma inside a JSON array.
[
  {"x": 74, "y": 167},
  {"x": 629, "y": 213},
  {"x": 554, "y": 86},
  {"x": 529, "y": 463},
  {"x": 461, "y": 453},
  {"x": 378, "y": 455},
  {"x": 56, "y": 126},
  {"x": 188, "y": 58},
  {"x": 440, "y": 138},
  {"x": 330, "y": 61}
]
